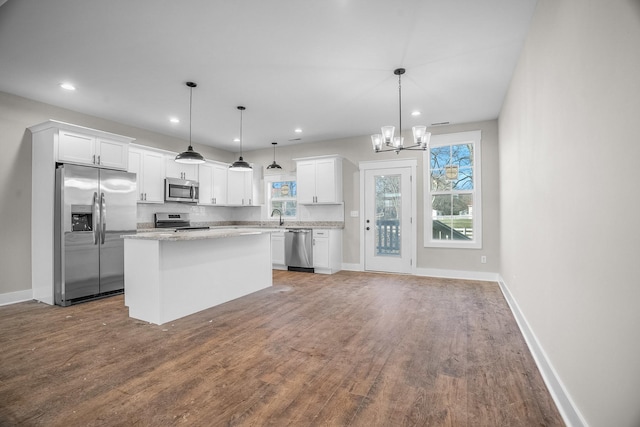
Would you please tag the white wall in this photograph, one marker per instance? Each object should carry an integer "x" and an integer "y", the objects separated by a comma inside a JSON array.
[{"x": 569, "y": 152}]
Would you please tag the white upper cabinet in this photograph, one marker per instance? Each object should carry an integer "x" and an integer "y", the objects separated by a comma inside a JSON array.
[
  {"x": 87, "y": 149},
  {"x": 319, "y": 180},
  {"x": 212, "y": 177},
  {"x": 240, "y": 188},
  {"x": 180, "y": 170},
  {"x": 149, "y": 167}
]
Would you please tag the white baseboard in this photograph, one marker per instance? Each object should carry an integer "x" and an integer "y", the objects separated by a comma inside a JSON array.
[
  {"x": 567, "y": 408},
  {"x": 458, "y": 274},
  {"x": 351, "y": 267},
  {"x": 14, "y": 297}
]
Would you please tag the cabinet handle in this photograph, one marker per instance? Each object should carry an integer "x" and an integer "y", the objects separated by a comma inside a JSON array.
[
  {"x": 145, "y": 196},
  {"x": 98, "y": 159},
  {"x": 93, "y": 160}
]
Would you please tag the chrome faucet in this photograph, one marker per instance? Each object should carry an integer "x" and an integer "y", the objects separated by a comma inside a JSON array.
[{"x": 280, "y": 212}]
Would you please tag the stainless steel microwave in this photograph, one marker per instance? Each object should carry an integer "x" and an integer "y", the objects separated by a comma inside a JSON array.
[{"x": 180, "y": 190}]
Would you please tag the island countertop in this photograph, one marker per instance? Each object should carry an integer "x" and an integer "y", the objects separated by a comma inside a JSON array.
[{"x": 213, "y": 233}]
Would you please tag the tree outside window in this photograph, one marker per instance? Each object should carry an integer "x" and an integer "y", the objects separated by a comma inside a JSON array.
[
  {"x": 452, "y": 187},
  {"x": 283, "y": 196}
]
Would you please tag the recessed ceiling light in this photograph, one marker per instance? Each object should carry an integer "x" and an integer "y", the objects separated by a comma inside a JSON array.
[
  {"x": 174, "y": 120},
  {"x": 415, "y": 113},
  {"x": 236, "y": 139},
  {"x": 298, "y": 130},
  {"x": 67, "y": 86}
]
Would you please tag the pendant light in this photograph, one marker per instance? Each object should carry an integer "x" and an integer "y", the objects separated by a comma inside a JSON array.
[
  {"x": 420, "y": 135},
  {"x": 240, "y": 164},
  {"x": 190, "y": 156},
  {"x": 274, "y": 165}
]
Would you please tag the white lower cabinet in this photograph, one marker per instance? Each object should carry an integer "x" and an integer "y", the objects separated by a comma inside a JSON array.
[
  {"x": 277, "y": 251},
  {"x": 327, "y": 251}
]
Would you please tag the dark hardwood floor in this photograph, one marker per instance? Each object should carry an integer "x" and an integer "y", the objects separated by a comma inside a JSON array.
[{"x": 353, "y": 349}]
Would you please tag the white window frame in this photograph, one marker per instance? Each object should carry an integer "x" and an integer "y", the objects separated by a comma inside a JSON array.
[
  {"x": 267, "y": 188},
  {"x": 474, "y": 137}
]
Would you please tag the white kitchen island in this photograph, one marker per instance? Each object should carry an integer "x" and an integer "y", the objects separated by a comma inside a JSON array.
[{"x": 170, "y": 274}]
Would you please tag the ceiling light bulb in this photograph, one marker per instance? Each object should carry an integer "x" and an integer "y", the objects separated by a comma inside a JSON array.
[
  {"x": 174, "y": 120},
  {"x": 236, "y": 139},
  {"x": 67, "y": 86},
  {"x": 415, "y": 113},
  {"x": 298, "y": 130}
]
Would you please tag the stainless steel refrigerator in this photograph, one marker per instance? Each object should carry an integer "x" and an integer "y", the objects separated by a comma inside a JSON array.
[{"x": 94, "y": 207}]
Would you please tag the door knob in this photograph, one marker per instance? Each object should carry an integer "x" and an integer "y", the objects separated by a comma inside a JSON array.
[
  {"x": 368, "y": 221},
  {"x": 368, "y": 228}
]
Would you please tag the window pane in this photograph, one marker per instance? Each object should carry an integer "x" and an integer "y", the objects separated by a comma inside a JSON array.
[
  {"x": 283, "y": 197},
  {"x": 461, "y": 155},
  {"x": 439, "y": 181},
  {"x": 440, "y": 156},
  {"x": 465, "y": 179},
  {"x": 388, "y": 206},
  {"x": 283, "y": 189},
  {"x": 452, "y": 217}
]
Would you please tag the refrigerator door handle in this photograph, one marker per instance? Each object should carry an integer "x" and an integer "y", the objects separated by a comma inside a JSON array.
[
  {"x": 94, "y": 216},
  {"x": 103, "y": 217}
]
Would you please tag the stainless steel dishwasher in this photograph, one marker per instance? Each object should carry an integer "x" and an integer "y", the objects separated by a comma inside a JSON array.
[{"x": 298, "y": 249}]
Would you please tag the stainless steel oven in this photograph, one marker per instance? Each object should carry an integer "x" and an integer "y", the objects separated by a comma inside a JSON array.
[{"x": 181, "y": 190}]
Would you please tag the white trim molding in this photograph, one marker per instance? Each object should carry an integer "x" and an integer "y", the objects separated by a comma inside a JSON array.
[
  {"x": 15, "y": 297},
  {"x": 458, "y": 274},
  {"x": 565, "y": 404}
]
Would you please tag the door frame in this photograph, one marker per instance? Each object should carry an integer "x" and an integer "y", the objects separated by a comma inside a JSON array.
[{"x": 390, "y": 164}]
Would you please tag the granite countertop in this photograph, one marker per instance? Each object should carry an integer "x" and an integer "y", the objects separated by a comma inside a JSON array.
[
  {"x": 150, "y": 227},
  {"x": 214, "y": 233}
]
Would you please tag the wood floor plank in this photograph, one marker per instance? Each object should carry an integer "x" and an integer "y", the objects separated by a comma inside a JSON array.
[{"x": 349, "y": 349}]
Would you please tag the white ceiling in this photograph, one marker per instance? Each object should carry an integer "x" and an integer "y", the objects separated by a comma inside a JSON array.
[{"x": 324, "y": 66}]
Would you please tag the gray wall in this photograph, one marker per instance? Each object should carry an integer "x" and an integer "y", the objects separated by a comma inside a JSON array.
[
  {"x": 358, "y": 149},
  {"x": 569, "y": 152}
]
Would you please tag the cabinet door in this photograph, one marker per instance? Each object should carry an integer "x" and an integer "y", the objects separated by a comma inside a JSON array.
[
  {"x": 205, "y": 178},
  {"x": 219, "y": 184},
  {"x": 277, "y": 248},
  {"x": 325, "y": 181},
  {"x": 321, "y": 252},
  {"x": 76, "y": 148},
  {"x": 181, "y": 170},
  {"x": 112, "y": 154},
  {"x": 240, "y": 187},
  {"x": 306, "y": 177},
  {"x": 135, "y": 166},
  {"x": 153, "y": 173}
]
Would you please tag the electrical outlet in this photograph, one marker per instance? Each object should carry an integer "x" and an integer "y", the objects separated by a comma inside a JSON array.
[
  {"x": 355, "y": 214},
  {"x": 483, "y": 259}
]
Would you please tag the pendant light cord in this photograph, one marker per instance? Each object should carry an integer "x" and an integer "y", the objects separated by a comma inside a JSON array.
[
  {"x": 190, "y": 106},
  {"x": 241, "y": 133},
  {"x": 400, "y": 106}
]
